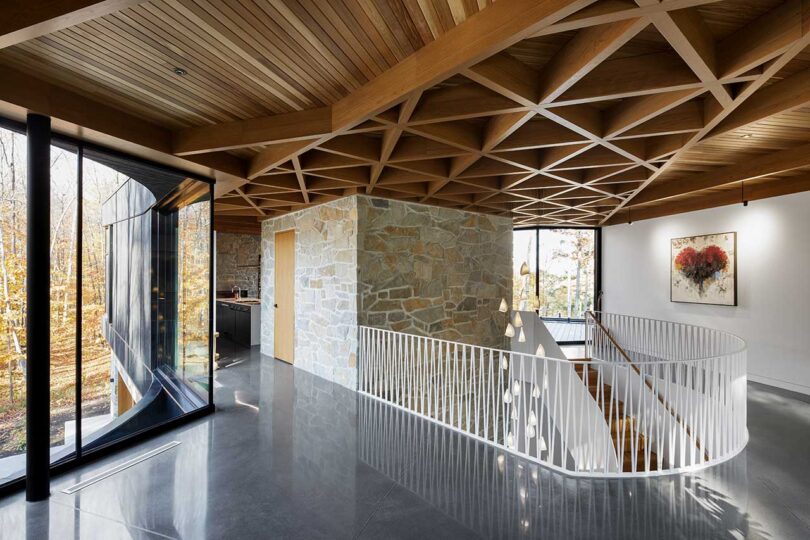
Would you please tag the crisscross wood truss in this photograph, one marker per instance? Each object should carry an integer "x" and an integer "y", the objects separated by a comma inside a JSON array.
[{"x": 574, "y": 112}]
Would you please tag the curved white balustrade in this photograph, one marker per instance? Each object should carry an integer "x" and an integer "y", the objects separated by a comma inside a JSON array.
[{"x": 653, "y": 397}]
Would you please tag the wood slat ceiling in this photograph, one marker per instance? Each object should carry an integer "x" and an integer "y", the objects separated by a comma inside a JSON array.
[
  {"x": 244, "y": 58},
  {"x": 619, "y": 111}
]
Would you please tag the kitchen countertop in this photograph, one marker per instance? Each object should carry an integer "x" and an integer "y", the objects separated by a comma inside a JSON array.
[{"x": 241, "y": 301}]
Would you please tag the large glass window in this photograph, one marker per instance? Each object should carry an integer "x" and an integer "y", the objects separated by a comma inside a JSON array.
[
  {"x": 524, "y": 280},
  {"x": 555, "y": 271},
  {"x": 194, "y": 300},
  {"x": 98, "y": 391},
  {"x": 63, "y": 249},
  {"x": 12, "y": 301},
  {"x": 130, "y": 268},
  {"x": 145, "y": 305}
]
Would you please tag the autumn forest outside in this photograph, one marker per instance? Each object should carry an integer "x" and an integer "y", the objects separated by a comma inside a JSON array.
[{"x": 98, "y": 391}]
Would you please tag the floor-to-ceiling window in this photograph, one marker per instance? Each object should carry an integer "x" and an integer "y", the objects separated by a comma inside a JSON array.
[
  {"x": 119, "y": 228},
  {"x": 194, "y": 251},
  {"x": 556, "y": 275},
  {"x": 98, "y": 389},
  {"x": 12, "y": 296},
  {"x": 63, "y": 249},
  {"x": 63, "y": 272}
]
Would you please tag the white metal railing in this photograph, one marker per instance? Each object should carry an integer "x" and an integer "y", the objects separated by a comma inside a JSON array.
[{"x": 588, "y": 417}]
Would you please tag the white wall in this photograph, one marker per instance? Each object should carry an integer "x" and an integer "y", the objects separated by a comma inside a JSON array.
[{"x": 773, "y": 287}]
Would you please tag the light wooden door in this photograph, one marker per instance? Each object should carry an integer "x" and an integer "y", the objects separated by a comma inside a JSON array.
[{"x": 284, "y": 320}]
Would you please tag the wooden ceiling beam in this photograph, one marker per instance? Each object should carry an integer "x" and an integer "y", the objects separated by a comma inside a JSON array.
[
  {"x": 393, "y": 175},
  {"x": 716, "y": 116},
  {"x": 450, "y": 103},
  {"x": 486, "y": 33},
  {"x": 586, "y": 50},
  {"x": 575, "y": 117},
  {"x": 616, "y": 10},
  {"x": 692, "y": 40},
  {"x": 782, "y": 96},
  {"x": 249, "y": 201},
  {"x": 415, "y": 147},
  {"x": 276, "y": 154},
  {"x": 509, "y": 77},
  {"x": 299, "y": 175},
  {"x": 763, "y": 38},
  {"x": 357, "y": 146},
  {"x": 498, "y": 128},
  {"x": 685, "y": 118},
  {"x": 577, "y": 58},
  {"x": 351, "y": 175},
  {"x": 772, "y": 163},
  {"x": 633, "y": 112},
  {"x": 753, "y": 190},
  {"x": 665, "y": 145},
  {"x": 24, "y": 20},
  {"x": 280, "y": 128},
  {"x": 539, "y": 133},
  {"x": 318, "y": 159},
  {"x": 632, "y": 76},
  {"x": 480, "y": 36},
  {"x": 391, "y": 137}
]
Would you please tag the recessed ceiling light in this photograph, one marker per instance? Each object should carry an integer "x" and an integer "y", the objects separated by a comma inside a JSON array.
[
  {"x": 180, "y": 71},
  {"x": 746, "y": 136}
]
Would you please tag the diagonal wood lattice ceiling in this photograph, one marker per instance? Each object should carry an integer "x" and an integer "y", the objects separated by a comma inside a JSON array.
[{"x": 555, "y": 113}]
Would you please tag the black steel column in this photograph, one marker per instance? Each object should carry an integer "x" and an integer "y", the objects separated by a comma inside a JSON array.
[
  {"x": 79, "y": 300},
  {"x": 211, "y": 296},
  {"x": 38, "y": 309}
]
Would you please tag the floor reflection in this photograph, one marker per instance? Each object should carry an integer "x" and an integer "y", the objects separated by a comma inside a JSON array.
[
  {"x": 291, "y": 455},
  {"x": 499, "y": 495}
]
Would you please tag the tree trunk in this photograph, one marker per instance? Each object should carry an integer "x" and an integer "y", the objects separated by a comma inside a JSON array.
[
  {"x": 568, "y": 290},
  {"x": 15, "y": 340},
  {"x": 69, "y": 273}
]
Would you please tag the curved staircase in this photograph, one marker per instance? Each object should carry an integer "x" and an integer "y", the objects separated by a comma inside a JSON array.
[{"x": 628, "y": 441}]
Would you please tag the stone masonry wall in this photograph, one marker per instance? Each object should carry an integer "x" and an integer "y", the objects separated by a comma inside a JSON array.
[
  {"x": 325, "y": 288},
  {"x": 402, "y": 266},
  {"x": 238, "y": 262},
  {"x": 433, "y": 271}
]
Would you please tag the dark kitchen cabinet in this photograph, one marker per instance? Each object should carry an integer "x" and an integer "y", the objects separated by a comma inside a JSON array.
[
  {"x": 241, "y": 332},
  {"x": 225, "y": 319},
  {"x": 234, "y": 322}
]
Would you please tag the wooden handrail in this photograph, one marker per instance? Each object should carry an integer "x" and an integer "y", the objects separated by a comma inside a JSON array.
[{"x": 666, "y": 405}]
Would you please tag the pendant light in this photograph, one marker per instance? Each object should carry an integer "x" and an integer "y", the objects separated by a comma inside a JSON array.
[{"x": 524, "y": 269}]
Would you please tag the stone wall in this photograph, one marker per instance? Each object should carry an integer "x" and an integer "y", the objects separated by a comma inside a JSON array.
[
  {"x": 325, "y": 288},
  {"x": 402, "y": 266},
  {"x": 433, "y": 271},
  {"x": 238, "y": 258}
]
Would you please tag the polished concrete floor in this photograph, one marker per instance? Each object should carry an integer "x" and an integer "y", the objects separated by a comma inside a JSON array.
[{"x": 289, "y": 455}]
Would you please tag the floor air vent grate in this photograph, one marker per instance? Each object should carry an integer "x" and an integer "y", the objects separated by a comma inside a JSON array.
[{"x": 118, "y": 468}]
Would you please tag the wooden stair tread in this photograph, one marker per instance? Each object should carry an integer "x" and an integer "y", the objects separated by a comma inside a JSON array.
[{"x": 621, "y": 427}]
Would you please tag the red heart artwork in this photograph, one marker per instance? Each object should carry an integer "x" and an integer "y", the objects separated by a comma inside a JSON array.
[{"x": 699, "y": 266}]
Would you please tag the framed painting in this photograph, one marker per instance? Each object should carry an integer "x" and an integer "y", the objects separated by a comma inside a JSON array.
[{"x": 703, "y": 269}]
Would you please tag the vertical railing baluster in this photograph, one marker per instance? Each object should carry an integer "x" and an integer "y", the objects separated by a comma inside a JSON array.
[{"x": 675, "y": 395}]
